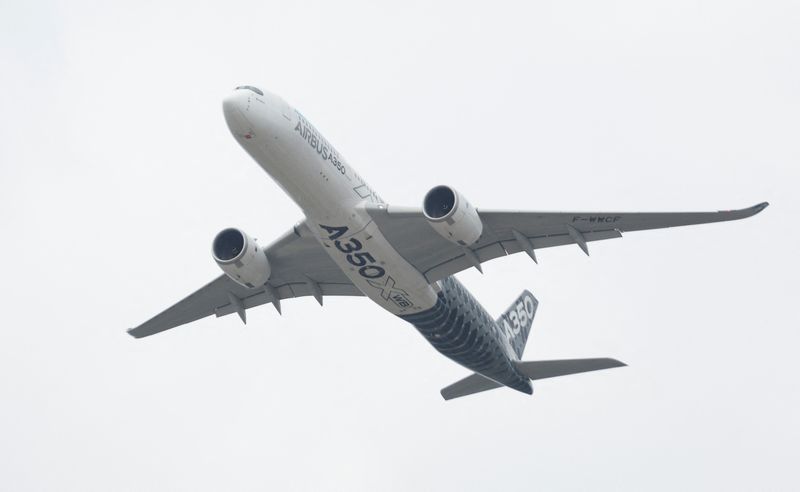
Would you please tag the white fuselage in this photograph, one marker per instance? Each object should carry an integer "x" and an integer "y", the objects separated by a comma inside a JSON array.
[{"x": 331, "y": 195}]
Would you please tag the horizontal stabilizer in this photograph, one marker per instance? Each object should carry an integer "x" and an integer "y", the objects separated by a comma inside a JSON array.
[
  {"x": 469, "y": 385},
  {"x": 541, "y": 369}
]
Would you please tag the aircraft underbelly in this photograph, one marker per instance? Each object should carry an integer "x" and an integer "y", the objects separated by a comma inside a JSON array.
[
  {"x": 329, "y": 193},
  {"x": 362, "y": 252}
]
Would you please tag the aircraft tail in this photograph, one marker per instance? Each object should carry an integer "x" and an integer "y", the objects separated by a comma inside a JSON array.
[
  {"x": 517, "y": 320},
  {"x": 516, "y": 323}
]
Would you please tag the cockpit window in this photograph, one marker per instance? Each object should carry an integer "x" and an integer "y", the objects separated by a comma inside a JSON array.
[{"x": 251, "y": 88}]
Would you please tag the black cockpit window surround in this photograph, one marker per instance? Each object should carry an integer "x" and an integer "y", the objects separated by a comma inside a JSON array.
[{"x": 250, "y": 88}]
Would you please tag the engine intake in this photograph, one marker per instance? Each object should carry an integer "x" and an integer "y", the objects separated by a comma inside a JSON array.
[
  {"x": 452, "y": 216},
  {"x": 241, "y": 258}
]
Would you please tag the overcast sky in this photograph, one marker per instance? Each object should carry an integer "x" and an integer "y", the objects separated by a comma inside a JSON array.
[{"x": 117, "y": 169}]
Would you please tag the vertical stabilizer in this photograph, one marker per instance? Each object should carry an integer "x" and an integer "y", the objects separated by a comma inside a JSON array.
[{"x": 517, "y": 319}]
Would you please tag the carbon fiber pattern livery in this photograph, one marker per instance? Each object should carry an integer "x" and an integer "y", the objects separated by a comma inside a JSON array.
[{"x": 461, "y": 329}]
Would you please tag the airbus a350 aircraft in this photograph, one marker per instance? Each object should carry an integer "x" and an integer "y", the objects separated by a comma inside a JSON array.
[{"x": 351, "y": 243}]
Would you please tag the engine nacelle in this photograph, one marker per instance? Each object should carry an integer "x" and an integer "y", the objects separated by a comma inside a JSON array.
[
  {"x": 452, "y": 216},
  {"x": 241, "y": 258}
]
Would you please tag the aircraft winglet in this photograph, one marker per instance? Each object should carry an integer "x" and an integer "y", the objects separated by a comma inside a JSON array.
[{"x": 758, "y": 208}]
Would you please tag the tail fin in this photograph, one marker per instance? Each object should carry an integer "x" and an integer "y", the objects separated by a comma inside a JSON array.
[{"x": 517, "y": 319}]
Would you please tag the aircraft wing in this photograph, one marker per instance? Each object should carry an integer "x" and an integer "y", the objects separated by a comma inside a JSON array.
[
  {"x": 508, "y": 232},
  {"x": 300, "y": 267}
]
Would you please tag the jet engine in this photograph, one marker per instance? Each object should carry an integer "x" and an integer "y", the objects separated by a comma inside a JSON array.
[
  {"x": 452, "y": 216},
  {"x": 241, "y": 258}
]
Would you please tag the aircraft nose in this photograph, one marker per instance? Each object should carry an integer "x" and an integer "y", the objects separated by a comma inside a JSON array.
[
  {"x": 234, "y": 106},
  {"x": 235, "y": 101}
]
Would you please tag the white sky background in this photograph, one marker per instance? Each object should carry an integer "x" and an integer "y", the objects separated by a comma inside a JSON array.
[{"x": 117, "y": 169}]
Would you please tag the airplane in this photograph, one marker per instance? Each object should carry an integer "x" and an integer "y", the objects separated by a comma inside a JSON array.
[{"x": 352, "y": 243}]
